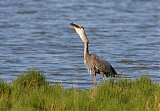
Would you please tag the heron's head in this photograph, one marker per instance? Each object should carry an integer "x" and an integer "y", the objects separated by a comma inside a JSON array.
[{"x": 80, "y": 31}]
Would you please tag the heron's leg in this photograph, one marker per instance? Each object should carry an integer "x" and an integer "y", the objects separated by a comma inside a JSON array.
[
  {"x": 102, "y": 73},
  {"x": 95, "y": 78}
]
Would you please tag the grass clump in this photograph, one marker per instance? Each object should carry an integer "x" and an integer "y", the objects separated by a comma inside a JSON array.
[
  {"x": 30, "y": 79},
  {"x": 31, "y": 92}
]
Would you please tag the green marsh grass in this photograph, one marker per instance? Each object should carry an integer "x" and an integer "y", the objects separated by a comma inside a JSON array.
[{"x": 31, "y": 92}]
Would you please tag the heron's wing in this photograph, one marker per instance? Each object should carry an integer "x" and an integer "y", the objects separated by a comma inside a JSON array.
[{"x": 102, "y": 64}]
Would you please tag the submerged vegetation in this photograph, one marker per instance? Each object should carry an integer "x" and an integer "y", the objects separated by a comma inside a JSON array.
[{"x": 31, "y": 92}]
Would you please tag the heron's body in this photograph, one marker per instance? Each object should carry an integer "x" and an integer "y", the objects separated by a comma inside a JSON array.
[
  {"x": 93, "y": 62},
  {"x": 98, "y": 65}
]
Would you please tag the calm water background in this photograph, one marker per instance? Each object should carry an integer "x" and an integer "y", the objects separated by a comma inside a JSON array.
[{"x": 36, "y": 34}]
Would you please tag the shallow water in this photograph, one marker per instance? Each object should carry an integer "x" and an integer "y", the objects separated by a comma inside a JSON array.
[{"x": 36, "y": 34}]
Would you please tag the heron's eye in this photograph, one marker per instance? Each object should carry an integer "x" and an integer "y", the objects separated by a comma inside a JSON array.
[{"x": 82, "y": 28}]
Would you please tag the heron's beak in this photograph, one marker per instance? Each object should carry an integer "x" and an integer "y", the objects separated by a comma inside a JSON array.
[{"x": 75, "y": 26}]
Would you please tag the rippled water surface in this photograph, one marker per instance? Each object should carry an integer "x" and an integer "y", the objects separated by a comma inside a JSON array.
[{"x": 36, "y": 34}]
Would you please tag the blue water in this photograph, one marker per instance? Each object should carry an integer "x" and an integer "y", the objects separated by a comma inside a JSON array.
[{"x": 36, "y": 34}]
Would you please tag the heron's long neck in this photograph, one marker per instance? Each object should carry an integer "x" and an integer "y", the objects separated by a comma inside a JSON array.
[
  {"x": 85, "y": 41},
  {"x": 86, "y": 52}
]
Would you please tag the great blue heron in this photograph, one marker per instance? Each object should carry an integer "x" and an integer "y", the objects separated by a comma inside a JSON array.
[{"x": 93, "y": 62}]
